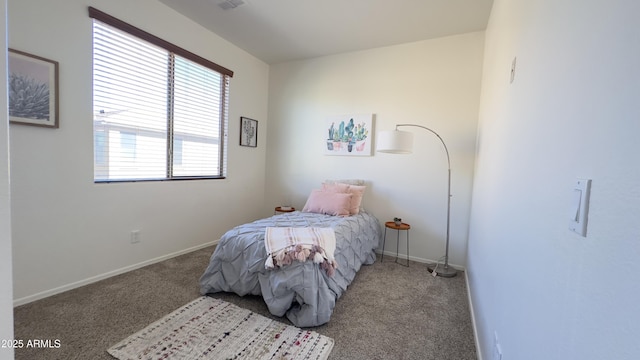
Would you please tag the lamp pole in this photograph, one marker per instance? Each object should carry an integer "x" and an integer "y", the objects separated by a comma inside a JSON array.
[{"x": 445, "y": 271}]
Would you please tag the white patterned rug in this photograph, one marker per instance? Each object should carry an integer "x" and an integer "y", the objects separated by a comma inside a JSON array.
[{"x": 209, "y": 328}]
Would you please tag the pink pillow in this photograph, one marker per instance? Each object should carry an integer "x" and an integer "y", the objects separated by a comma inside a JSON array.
[
  {"x": 330, "y": 203},
  {"x": 356, "y": 191}
]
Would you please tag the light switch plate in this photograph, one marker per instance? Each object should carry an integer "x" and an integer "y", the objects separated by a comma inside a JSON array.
[
  {"x": 513, "y": 70},
  {"x": 580, "y": 206}
]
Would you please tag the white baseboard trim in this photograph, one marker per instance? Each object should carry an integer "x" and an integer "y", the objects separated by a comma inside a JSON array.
[
  {"x": 402, "y": 257},
  {"x": 77, "y": 284},
  {"x": 473, "y": 317}
]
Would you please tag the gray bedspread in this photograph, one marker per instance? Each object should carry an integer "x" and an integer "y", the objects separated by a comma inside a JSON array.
[{"x": 302, "y": 290}]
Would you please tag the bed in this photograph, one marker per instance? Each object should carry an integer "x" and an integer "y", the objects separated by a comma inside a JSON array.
[{"x": 304, "y": 291}]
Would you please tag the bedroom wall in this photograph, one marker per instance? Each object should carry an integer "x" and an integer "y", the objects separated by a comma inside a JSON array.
[
  {"x": 6, "y": 280},
  {"x": 434, "y": 83},
  {"x": 67, "y": 230},
  {"x": 571, "y": 112}
]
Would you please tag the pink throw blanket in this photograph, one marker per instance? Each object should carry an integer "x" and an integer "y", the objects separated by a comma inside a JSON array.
[{"x": 287, "y": 244}]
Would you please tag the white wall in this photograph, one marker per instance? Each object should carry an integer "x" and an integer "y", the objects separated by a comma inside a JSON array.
[
  {"x": 434, "y": 83},
  {"x": 6, "y": 281},
  {"x": 68, "y": 230},
  {"x": 571, "y": 112}
]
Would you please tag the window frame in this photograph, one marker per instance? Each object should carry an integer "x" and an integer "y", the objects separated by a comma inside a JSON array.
[{"x": 177, "y": 51}]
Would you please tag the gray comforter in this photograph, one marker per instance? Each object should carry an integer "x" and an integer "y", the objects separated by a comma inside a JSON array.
[{"x": 302, "y": 290}]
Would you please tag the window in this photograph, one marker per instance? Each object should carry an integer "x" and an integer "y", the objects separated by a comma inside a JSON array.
[{"x": 160, "y": 112}]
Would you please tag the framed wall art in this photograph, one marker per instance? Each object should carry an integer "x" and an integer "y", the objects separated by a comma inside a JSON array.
[
  {"x": 350, "y": 135},
  {"x": 33, "y": 90},
  {"x": 248, "y": 132}
]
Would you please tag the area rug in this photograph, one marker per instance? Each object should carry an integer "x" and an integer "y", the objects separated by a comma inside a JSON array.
[{"x": 209, "y": 328}]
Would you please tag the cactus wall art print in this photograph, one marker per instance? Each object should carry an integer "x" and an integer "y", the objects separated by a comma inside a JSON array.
[
  {"x": 349, "y": 135},
  {"x": 248, "y": 132}
]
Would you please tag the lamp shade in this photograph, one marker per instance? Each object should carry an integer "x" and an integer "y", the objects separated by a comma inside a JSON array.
[{"x": 395, "y": 142}]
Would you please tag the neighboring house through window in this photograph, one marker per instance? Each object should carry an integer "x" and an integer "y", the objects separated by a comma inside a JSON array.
[{"x": 160, "y": 112}]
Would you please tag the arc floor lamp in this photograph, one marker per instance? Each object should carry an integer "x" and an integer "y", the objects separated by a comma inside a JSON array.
[{"x": 401, "y": 142}]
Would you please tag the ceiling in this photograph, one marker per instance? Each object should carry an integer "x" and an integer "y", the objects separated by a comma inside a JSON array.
[{"x": 285, "y": 30}]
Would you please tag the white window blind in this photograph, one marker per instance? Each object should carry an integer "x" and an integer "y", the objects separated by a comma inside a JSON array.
[{"x": 157, "y": 115}]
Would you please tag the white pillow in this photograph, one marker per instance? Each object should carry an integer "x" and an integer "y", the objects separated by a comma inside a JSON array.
[{"x": 358, "y": 182}]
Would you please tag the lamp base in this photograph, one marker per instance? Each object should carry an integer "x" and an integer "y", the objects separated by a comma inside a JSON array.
[{"x": 441, "y": 270}]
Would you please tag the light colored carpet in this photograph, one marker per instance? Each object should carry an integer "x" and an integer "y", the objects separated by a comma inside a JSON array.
[
  {"x": 209, "y": 328},
  {"x": 390, "y": 311}
]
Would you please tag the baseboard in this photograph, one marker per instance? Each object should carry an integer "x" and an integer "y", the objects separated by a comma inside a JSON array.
[
  {"x": 473, "y": 317},
  {"x": 418, "y": 259},
  {"x": 77, "y": 284}
]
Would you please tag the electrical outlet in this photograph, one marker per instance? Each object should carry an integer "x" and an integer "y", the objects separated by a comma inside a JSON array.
[
  {"x": 497, "y": 349},
  {"x": 135, "y": 236}
]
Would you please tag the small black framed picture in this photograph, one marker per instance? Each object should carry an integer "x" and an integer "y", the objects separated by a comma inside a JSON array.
[{"x": 248, "y": 132}]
